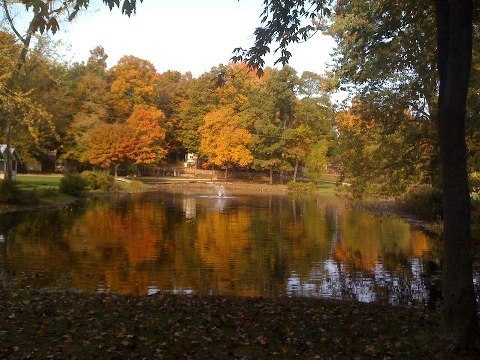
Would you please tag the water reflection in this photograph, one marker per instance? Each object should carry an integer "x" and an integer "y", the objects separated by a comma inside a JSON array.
[
  {"x": 250, "y": 246},
  {"x": 190, "y": 207}
]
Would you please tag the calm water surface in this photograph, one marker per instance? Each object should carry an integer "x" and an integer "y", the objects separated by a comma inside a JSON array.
[{"x": 246, "y": 245}]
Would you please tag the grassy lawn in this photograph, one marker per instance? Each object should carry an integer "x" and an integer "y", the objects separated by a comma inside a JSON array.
[
  {"x": 326, "y": 185},
  {"x": 45, "y": 187},
  {"x": 37, "y": 182}
]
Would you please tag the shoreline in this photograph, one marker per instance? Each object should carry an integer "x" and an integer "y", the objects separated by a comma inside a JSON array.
[
  {"x": 187, "y": 187},
  {"x": 206, "y": 186},
  {"x": 231, "y": 188},
  {"x": 10, "y": 209}
]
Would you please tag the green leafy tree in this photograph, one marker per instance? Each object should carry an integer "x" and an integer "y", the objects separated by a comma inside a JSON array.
[
  {"x": 202, "y": 97},
  {"x": 398, "y": 85},
  {"x": 375, "y": 162},
  {"x": 317, "y": 160},
  {"x": 282, "y": 22},
  {"x": 272, "y": 113},
  {"x": 34, "y": 125},
  {"x": 171, "y": 93},
  {"x": 314, "y": 120},
  {"x": 298, "y": 142},
  {"x": 89, "y": 100}
]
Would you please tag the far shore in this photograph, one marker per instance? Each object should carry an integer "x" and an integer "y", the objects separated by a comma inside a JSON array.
[
  {"x": 180, "y": 185},
  {"x": 197, "y": 187},
  {"x": 233, "y": 187}
]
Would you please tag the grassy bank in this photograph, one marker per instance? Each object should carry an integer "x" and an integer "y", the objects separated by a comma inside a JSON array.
[
  {"x": 44, "y": 187},
  {"x": 39, "y": 324},
  {"x": 37, "y": 191}
]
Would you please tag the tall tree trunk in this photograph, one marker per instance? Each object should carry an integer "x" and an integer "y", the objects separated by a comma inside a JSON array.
[
  {"x": 271, "y": 176},
  {"x": 454, "y": 36},
  {"x": 226, "y": 173},
  {"x": 116, "y": 170},
  {"x": 295, "y": 172},
  {"x": 14, "y": 77},
  {"x": 8, "y": 149}
]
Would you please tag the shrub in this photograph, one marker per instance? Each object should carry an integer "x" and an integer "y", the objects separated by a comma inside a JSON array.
[
  {"x": 98, "y": 180},
  {"x": 9, "y": 192},
  {"x": 30, "y": 197},
  {"x": 301, "y": 186},
  {"x": 136, "y": 185},
  {"x": 475, "y": 182},
  {"x": 72, "y": 184},
  {"x": 424, "y": 202}
]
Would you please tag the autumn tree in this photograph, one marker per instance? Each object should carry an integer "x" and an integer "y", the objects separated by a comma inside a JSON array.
[
  {"x": 34, "y": 126},
  {"x": 224, "y": 140},
  {"x": 97, "y": 60},
  {"x": 133, "y": 82},
  {"x": 40, "y": 16},
  {"x": 110, "y": 145},
  {"x": 76, "y": 139},
  {"x": 89, "y": 101},
  {"x": 404, "y": 73},
  {"x": 148, "y": 127}
]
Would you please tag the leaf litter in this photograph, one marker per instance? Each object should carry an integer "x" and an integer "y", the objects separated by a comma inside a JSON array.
[{"x": 41, "y": 324}]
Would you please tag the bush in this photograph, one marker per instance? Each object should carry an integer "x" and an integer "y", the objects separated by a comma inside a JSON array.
[
  {"x": 301, "y": 186},
  {"x": 136, "y": 185},
  {"x": 475, "y": 182},
  {"x": 98, "y": 180},
  {"x": 30, "y": 197},
  {"x": 9, "y": 192},
  {"x": 424, "y": 202},
  {"x": 72, "y": 184}
]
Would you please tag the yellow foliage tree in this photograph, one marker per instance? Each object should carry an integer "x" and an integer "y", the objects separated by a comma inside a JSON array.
[
  {"x": 224, "y": 140},
  {"x": 133, "y": 82}
]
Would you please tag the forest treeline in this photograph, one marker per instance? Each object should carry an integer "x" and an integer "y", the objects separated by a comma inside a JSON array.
[
  {"x": 133, "y": 116},
  {"x": 383, "y": 140}
]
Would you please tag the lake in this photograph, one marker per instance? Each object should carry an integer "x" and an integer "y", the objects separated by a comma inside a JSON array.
[{"x": 262, "y": 245}]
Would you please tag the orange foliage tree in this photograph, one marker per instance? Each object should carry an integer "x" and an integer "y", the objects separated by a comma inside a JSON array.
[
  {"x": 148, "y": 125},
  {"x": 111, "y": 145},
  {"x": 224, "y": 140}
]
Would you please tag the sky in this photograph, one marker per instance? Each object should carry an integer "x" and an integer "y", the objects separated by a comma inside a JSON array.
[{"x": 182, "y": 35}]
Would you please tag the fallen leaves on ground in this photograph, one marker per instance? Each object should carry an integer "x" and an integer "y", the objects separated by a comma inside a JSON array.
[{"x": 57, "y": 325}]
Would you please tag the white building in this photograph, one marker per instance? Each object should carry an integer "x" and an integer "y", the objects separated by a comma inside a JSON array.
[{"x": 3, "y": 161}]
